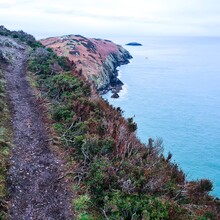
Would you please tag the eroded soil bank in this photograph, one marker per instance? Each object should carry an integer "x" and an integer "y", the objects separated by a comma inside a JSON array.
[{"x": 35, "y": 189}]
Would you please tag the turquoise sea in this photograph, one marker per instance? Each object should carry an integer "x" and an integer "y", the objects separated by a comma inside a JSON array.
[{"x": 172, "y": 88}]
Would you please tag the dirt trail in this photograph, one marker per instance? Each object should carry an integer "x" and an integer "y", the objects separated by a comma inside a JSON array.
[{"x": 36, "y": 192}]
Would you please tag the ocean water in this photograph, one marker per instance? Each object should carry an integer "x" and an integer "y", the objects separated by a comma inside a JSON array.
[{"x": 172, "y": 88}]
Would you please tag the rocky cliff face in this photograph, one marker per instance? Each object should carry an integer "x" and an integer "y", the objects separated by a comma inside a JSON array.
[{"x": 96, "y": 59}]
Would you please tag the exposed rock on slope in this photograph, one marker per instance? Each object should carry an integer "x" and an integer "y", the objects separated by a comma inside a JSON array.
[{"x": 97, "y": 59}]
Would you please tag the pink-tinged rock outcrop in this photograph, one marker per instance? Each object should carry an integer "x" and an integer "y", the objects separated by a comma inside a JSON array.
[{"x": 97, "y": 59}]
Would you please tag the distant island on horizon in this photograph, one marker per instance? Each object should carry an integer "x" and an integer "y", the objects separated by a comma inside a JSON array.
[{"x": 133, "y": 44}]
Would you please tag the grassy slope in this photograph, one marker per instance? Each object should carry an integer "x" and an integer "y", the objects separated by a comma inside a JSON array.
[
  {"x": 5, "y": 144},
  {"x": 115, "y": 176}
]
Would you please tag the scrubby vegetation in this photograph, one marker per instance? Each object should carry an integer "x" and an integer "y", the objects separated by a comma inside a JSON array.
[
  {"x": 115, "y": 176},
  {"x": 20, "y": 35},
  {"x": 5, "y": 144}
]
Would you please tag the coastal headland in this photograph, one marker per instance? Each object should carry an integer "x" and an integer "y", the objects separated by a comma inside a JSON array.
[{"x": 96, "y": 59}]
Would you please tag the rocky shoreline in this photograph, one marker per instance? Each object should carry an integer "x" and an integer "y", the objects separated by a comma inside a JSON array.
[
  {"x": 96, "y": 59},
  {"x": 114, "y": 84}
]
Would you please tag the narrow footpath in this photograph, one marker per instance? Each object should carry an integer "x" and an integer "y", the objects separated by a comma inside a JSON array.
[{"x": 35, "y": 189}]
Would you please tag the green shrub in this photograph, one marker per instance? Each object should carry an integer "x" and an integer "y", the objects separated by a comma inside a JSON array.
[
  {"x": 205, "y": 185},
  {"x": 62, "y": 61},
  {"x": 85, "y": 216},
  {"x": 82, "y": 203},
  {"x": 132, "y": 125},
  {"x": 63, "y": 113},
  {"x": 99, "y": 180},
  {"x": 122, "y": 206},
  {"x": 63, "y": 83}
]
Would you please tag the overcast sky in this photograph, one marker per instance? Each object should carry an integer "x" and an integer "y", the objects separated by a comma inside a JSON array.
[{"x": 112, "y": 18}]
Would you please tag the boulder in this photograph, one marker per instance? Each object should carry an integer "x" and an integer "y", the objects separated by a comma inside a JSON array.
[{"x": 115, "y": 95}]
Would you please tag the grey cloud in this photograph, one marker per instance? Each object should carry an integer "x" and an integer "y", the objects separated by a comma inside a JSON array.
[
  {"x": 5, "y": 5},
  {"x": 99, "y": 17},
  {"x": 60, "y": 11}
]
